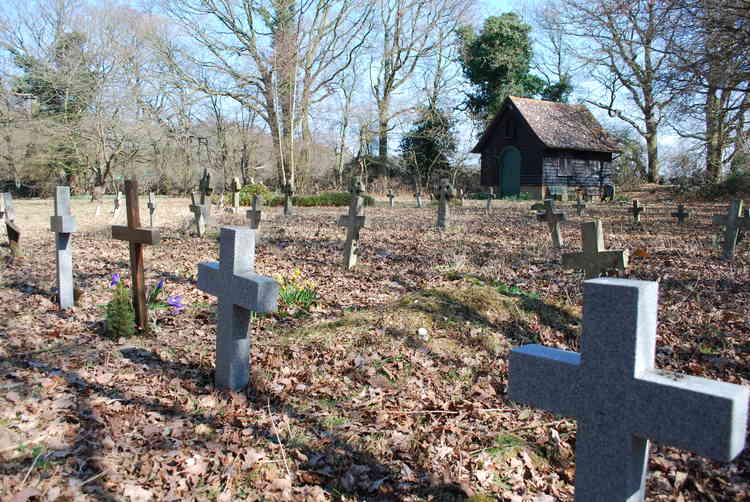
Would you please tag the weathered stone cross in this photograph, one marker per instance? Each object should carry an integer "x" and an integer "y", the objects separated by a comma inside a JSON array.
[
  {"x": 288, "y": 198},
  {"x": 637, "y": 209},
  {"x": 490, "y": 196},
  {"x": 732, "y": 222},
  {"x": 391, "y": 195},
  {"x": 353, "y": 222},
  {"x": 14, "y": 232},
  {"x": 254, "y": 215},
  {"x": 240, "y": 291},
  {"x": 620, "y": 400},
  {"x": 553, "y": 219},
  {"x": 580, "y": 206},
  {"x": 202, "y": 214},
  {"x": 63, "y": 224},
  {"x": 418, "y": 196},
  {"x": 205, "y": 187},
  {"x": 137, "y": 237},
  {"x": 681, "y": 214},
  {"x": 595, "y": 259},
  {"x": 151, "y": 208},
  {"x": 236, "y": 187},
  {"x": 446, "y": 194}
]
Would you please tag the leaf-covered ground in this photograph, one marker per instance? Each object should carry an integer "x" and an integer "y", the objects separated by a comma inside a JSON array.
[{"x": 348, "y": 401}]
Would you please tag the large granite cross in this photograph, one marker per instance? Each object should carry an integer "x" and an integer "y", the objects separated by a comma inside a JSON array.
[
  {"x": 63, "y": 224},
  {"x": 553, "y": 219},
  {"x": 595, "y": 259},
  {"x": 202, "y": 214},
  {"x": 14, "y": 232},
  {"x": 681, "y": 214},
  {"x": 620, "y": 400},
  {"x": 240, "y": 291},
  {"x": 353, "y": 222},
  {"x": 151, "y": 208},
  {"x": 254, "y": 215},
  {"x": 288, "y": 190},
  {"x": 446, "y": 194},
  {"x": 636, "y": 210},
  {"x": 732, "y": 222},
  {"x": 137, "y": 237}
]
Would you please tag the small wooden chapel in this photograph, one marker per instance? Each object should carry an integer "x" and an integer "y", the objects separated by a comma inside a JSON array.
[{"x": 545, "y": 149}]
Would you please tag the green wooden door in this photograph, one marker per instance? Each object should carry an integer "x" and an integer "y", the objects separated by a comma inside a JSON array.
[{"x": 510, "y": 172}]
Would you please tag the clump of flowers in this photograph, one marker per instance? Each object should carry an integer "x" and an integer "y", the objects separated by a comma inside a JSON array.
[
  {"x": 296, "y": 292},
  {"x": 120, "y": 315}
]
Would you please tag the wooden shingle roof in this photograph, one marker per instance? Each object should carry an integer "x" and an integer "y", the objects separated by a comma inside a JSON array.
[{"x": 557, "y": 125}]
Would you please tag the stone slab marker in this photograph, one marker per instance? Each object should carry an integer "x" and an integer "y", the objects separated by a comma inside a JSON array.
[
  {"x": 391, "y": 195},
  {"x": 236, "y": 187},
  {"x": 595, "y": 258},
  {"x": 137, "y": 237},
  {"x": 620, "y": 400},
  {"x": 553, "y": 219},
  {"x": 63, "y": 224},
  {"x": 490, "y": 196},
  {"x": 636, "y": 210},
  {"x": 353, "y": 222},
  {"x": 446, "y": 194},
  {"x": 732, "y": 222},
  {"x": 288, "y": 191},
  {"x": 580, "y": 206},
  {"x": 240, "y": 291},
  {"x": 151, "y": 208},
  {"x": 254, "y": 215},
  {"x": 681, "y": 214}
]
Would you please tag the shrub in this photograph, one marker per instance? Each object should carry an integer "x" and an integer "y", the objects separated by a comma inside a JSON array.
[
  {"x": 323, "y": 199},
  {"x": 120, "y": 315},
  {"x": 247, "y": 192}
]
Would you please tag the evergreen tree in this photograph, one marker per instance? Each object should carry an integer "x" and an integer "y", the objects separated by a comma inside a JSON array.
[{"x": 427, "y": 148}]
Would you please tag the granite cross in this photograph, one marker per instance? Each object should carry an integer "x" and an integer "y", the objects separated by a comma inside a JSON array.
[
  {"x": 418, "y": 196},
  {"x": 595, "y": 259},
  {"x": 681, "y": 214},
  {"x": 490, "y": 196},
  {"x": 580, "y": 206},
  {"x": 14, "y": 232},
  {"x": 391, "y": 195},
  {"x": 240, "y": 291},
  {"x": 236, "y": 187},
  {"x": 353, "y": 222},
  {"x": 63, "y": 224},
  {"x": 446, "y": 194},
  {"x": 151, "y": 208},
  {"x": 254, "y": 215},
  {"x": 117, "y": 205},
  {"x": 732, "y": 222},
  {"x": 202, "y": 214},
  {"x": 288, "y": 198},
  {"x": 137, "y": 237},
  {"x": 637, "y": 209},
  {"x": 553, "y": 219},
  {"x": 620, "y": 400}
]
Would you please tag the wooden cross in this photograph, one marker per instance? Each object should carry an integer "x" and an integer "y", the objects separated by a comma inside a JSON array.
[
  {"x": 202, "y": 214},
  {"x": 553, "y": 219},
  {"x": 580, "y": 206},
  {"x": 490, "y": 196},
  {"x": 63, "y": 224},
  {"x": 681, "y": 214},
  {"x": 732, "y": 222},
  {"x": 137, "y": 238},
  {"x": 595, "y": 259},
  {"x": 353, "y": 222},
  {"x": 254, "y": 215},
  {"x": 151, "y": 208},
  {"x": 446, "y": 194},
  {"x": 637, "y": 209},
  {"x": 620, "y": 399},
  {"x": 240, "y": 291},
  {"x": 236, "y": 187},
  {"x": 288, "y": 190},
  {"x": 391, "y": 195}
]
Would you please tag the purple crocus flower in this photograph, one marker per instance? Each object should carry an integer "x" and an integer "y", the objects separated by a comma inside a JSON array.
[
  {"x": 115, "y": 280},
  {"x": 176, "y": 303},
  {"x": 160, "y": 284}
]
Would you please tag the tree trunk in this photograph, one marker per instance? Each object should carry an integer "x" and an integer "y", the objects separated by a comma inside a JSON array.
[
  {"x": 652, "y": 152},
  {"x": 713, "y": 137}
]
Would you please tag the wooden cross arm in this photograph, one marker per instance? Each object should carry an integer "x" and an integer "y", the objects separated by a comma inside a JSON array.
[
  {"x": 559, "y": 216},
  {"x": 248, "y": 290},
  {"x": 136, "y": 235},
  {"x": 704, "y": 416},
  {"x": 545, "y": 378},
  {"x": 250, "y": 213},
  {"x": 62, "y": 224}
]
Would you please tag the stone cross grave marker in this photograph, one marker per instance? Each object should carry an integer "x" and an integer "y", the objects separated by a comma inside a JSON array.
[
  {"x": 137, "y": 237},
  {"x": 96, "y": 196},
  {"x": 490, "y": 196},
  {"x": 620, "y": 400},
  {"x": 391, "y": 195},
  {"x": 580, "y": 205},
  {"x": 117, "y": 206},
  {"x": 636, "y": 210},
  {"x": 553, "y": 219},
  {"x": 446, "y": 194},
  {"x": 204, "y": 186},
  {"x": 681, "y": 214},
  {"x": 202, "y": 215},
  {"x": 353, "y": 222},
  {"x": 254, "y": 215},
  {"x": 732, "y": 222},
  {"x": 240, "y": 291},
  {"x": 288, "y": 191},
  {"x": 595, "y": 259},
  {"x": 14, "y": 232},
  {"x": 63, "y": 224},
  {"x": 236, "y": 187},
  {"x": 151, "y": 208},
  {"x": 418, "y": 197}
]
